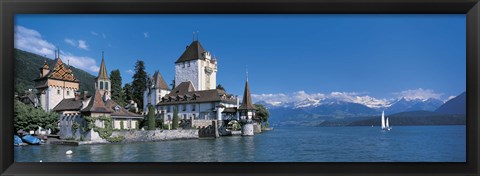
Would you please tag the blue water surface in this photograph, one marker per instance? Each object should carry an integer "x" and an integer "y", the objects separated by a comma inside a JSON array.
[{"x": 283, "y": 144}]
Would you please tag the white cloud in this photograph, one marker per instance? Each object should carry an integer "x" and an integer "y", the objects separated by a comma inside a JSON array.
[
  {"x": 419, "y": 93},
  {"x": 82, "y": 62},
  {"x": 82, "y": 44},
  {"x": 129, "y": 71},
  {"x": 146, "y": 34},
  {"x": 98, "y": 34},
  {"x": 70, "y": 42},
  {"x": 32, "y": 41}
]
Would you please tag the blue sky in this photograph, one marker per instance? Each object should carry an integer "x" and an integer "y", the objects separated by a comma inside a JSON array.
[{"x": 381, "y": 56}]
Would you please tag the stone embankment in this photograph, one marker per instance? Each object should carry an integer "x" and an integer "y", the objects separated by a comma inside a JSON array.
[{"x": 156, "y": 135}]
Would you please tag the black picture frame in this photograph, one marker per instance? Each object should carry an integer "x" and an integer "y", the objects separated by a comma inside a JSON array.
[{"x": 9, "y": 8}]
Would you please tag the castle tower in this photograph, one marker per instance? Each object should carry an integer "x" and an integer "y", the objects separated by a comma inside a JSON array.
[
  {"x": 55, "y": 85},
  {"x": 196, "y": 65},
  {"x": 247, "y": 109},
  {"x": 102, "y": 82},
  {"x": 156, "y": 89}
]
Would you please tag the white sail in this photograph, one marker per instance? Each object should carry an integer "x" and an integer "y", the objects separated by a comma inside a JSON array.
[
  {"x": 383, "y": 119},
  {"x": 387, "y": 125}
]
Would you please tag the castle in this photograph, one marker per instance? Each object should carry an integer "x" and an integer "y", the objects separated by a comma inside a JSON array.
[
  {"x": 58, "y": 91},
  {"x": 195, "y": 96}
]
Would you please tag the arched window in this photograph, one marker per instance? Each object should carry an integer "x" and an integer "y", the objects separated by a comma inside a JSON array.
[
  {"x": 106, "y": 85},
  {"x": 101, "y": 85}
]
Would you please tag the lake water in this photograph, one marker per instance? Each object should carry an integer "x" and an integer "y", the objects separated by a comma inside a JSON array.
[{"x": 283, "y": 144}]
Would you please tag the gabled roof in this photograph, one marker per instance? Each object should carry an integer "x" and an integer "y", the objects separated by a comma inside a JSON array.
[
  {"x": 102, "y": 73},
  {"x": 96, "y": 104},
  {"x": 247, "y": 100},
  {"x": 187, "y": 94},
  {"x": 194, "y": 51},
  {"x": 183, "y": 87},
  {"x": 70, "y": 104},
  {"x": 121, "y": 111},
  {"x": 60, "y": 72},
  {"x": 159, "y": 82}
]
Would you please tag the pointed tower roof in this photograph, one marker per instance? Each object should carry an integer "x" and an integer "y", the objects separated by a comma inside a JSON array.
[
  {"x": 193, "y": 52},
  {"x": 159, "y": 82},
  {"x": 96, "y": 104},
  {"x": 247, "y": 99},
  {"x": 45, "y": 65},
  {"x": 102, "y": 73}
]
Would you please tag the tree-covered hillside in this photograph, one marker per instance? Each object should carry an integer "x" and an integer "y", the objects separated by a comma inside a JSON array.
[{"x": 27, "y": 68}]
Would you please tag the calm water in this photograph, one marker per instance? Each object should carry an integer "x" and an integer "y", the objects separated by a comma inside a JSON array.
[{"x": 312, "y": 144}]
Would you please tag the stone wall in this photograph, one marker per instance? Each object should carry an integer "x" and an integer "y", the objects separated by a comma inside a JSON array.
[
  {"x": 156, "y": 135},
  {"x": 202, "y": 123}
]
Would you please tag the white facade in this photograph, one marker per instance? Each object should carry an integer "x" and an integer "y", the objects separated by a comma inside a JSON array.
[
  {"x": 195, "y": 111},
  {"x": 54, "y": 94},
  {"x": 202, "y": 73},
  {"x": 154, "y": 98}
]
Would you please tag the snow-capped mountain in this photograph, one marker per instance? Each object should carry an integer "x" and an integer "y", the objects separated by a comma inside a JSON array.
[{"x": 405, "y": 104}]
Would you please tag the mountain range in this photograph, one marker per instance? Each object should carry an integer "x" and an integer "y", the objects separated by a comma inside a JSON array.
[{"x": 340, "y": 112}]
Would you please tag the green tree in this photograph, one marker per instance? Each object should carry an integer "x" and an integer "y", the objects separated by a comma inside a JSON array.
[
  {"x": 139, "y": 83},
  {"x": 151, "y": 117},
  {"x": 175, "y": 118},
  {"x": 219, "y": 86},
  {"x": 262, "y": 114},
  {"x": 116, "y": 87},
  {"x": 27, "y": 117},
  {"x": 127, "y": 89}
]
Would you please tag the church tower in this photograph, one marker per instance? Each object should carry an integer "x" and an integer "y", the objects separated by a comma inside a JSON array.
[
  {"x": 55, "y": 85},
  {"x": 102, "y": 82},
  {"x": 196, "y": 65}
]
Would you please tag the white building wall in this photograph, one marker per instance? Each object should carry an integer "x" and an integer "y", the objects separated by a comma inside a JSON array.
[
  {"x": 56, "y": 94},
  {"x": 187, "y": 71},
  {"x": 194, "y": 71}
]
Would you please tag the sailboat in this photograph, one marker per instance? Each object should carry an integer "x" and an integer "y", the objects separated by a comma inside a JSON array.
[{"x": 385, "y": 125}]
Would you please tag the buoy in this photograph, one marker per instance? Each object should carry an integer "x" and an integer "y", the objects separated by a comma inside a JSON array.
[
  {"x": 41, "y": 161},
  {"x": 69, "y": 152}
]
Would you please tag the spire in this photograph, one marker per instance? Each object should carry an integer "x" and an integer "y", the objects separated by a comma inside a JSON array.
[
  {"x": 45, "y": 65},
  {"x": 246, "y": 67},
  {"x": 102, "y": 73},
  {"x": 247, "y": 99}
]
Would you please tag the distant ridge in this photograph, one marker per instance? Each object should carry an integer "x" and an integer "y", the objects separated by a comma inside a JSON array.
[
  {"x": 27, "y": 67},
  {"x": 457, "y": 105}
]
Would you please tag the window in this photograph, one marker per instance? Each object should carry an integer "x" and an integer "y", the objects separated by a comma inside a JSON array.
[
  {"x": 101, "y": 85},
  {"x": 184, "y": 116},
  {"x": 68, "y": 92},
  {"x": 169, "y": 109},
  {"x": 106, "y": 85},
  {"x": 184, "y": 107},
  {"x": 193, "y": 107},
  {"x": 58, "y": 92}
]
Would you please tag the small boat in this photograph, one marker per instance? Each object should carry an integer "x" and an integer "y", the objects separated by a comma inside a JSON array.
[
  {"x": 17, "y": 141},
  {"x": 31, "y": 139},
  {"x": 385, "y": 126}
]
